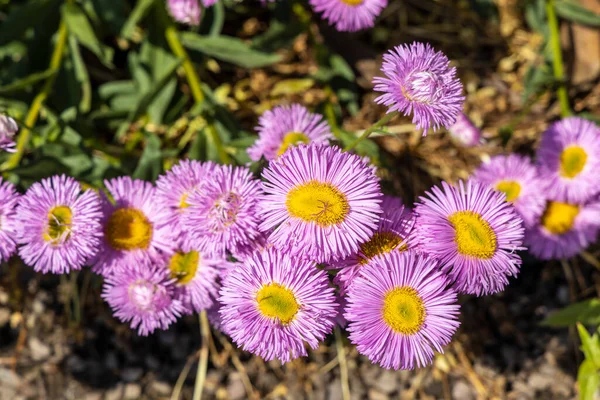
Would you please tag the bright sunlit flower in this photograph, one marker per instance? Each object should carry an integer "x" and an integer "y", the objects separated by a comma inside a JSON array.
[
  {"x": 349, "y": 15},
  {"x": 8, "y": 202}
]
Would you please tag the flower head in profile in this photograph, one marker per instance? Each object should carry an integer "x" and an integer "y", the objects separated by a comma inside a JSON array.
[
  {"x": 221, "y": 217},
  {"x": 392, "y": 235},
  {"x": 273, "y": 303},
  {"x": 134, "y": 228},
  {"x": 349, "y": 15},
  {"x": 465, "y": 132},
  {"x": 319, "y": 202},
  {"x": 400, "y": 310},
  {"x": 58, "y": 225},
  {"x": 196, "y": 278},
  {"x": 561, "y": 230},
  {"x": 144, "y": 296},
  {"x": 568, "y": 160},
  {"x": 8, "y": 129},
  {"x": 419, "y": 81},
  {"x": 188, "y": 11},
  {"x": 286, "y": 126},
  {"x": 517, "y": 178},
  {"x": 173, "y": 189},
  {"x": 474, "y": 233},
  {"x": 8, "y": 202}
]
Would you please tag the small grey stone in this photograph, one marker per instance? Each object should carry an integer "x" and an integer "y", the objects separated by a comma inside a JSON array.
[
  {"x": 111, "y": 361},
  {"x": 75, "y": 363},
  {"x": 235, "y": 387},
  {"x": 161, "y": 388},
  {"x": 132, "y": 374},
  {"x": 152, "y": 362},
  {"x": 540, "y": 381},
  {"x": 9, "y": 379},
  {"x": 461, "y": 390},
  {"x": 376, "y": 395},
  {"x": 38, "y": 307},
  {"x": 93, "y": 396},
  {"x": 132, "y": 391},
  {"x": 563, "y": 295},
  {"x": 115, "y": 393},
  {"x": 334, "y": 391},
  {"x": 387, "y": 382},
  {"x": 39, "y": 351},
  {"x": 4, "y": 316}
]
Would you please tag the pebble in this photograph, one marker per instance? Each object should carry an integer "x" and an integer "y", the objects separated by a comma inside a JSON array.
[
  {"x": 376, "y": 395},
  {"x": 161, "y": 388},
  {"x": 463, "y": 391},
  {"x": 4, "y": 316},
  {"x": 132, "y": 391},
  {"x": 8, "y": 378},
  {"x": 235, "y": 387},
  {"x": 132, "y": 374},
  {"x": 39, "y": 351},
  {"x": 115, "y": 393},
  {"x": 387, "y": 382}
]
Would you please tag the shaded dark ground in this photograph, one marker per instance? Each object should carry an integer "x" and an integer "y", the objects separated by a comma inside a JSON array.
[{"x": 500, "y": 351}]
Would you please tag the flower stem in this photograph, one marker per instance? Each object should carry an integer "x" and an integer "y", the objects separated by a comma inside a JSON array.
[
  {"x": 384, "y": 120},
  {"x": 38, "y": 101},
  {"x": 203, "y": 362},
  {"x": 341, "y": 353},
  {"x": 557, "y": 62}
]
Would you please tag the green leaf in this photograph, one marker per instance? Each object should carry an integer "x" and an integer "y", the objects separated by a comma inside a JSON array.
[
  {"x": 291, "y": 86},
  {"x": 82, "y": 76},
  {"x": 230, "y": 49},
  {"x": 139, "y": 12},
  {"x": 149, "y": 166},
  {"x": 79, "y": 25},
  {"x": 575, "y": 13},
  {"x": 27, "y": 81},
  {"x": 588, "y": 379},
  {"x": 590, "y": 345},
  {"x": 587, "y": 312}
]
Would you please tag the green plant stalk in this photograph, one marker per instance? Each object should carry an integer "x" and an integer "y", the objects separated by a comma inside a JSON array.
[
  {"x": 557, "y": 62},
  {"x": 384, "y": 120},
  {"x": 203, "y": 361},
  {"x": 38, "y": 101},
  {"x": 172, "y": 36}
]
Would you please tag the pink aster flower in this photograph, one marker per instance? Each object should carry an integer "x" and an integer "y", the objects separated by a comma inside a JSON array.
[
  {"x": 196, "y": 278},
  {"x": 144, "y": 296},
  {"x": 561, "y": 230},
  {"x": 400, "y": 310},
  {"x": 465, "y": 132},
  {"x": 8, "y": 202},
  {"x": 58, "y": 225},
  {"x": 518, "y": 179},
  {"x": 286, "y": 126},
  {"x": 173, "y": 189},
  {"x": 419, "y": 81},
  {"x": 474, "y": 233},
  {"x": 568, "y": 160},
  {"x": 222, "y": 215},
  {"x": 393, "y": 234},
  {"x": 349, "y": 15},
  {"x": 273, "y": 303},
  {"x": 188, "y": 11},
  {"x": 319, "y": 202},
  {"x": 8, "y": 129},
  {"x": 134, "y": 227}
]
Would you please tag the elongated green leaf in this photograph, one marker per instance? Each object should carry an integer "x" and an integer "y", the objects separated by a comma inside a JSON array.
[
  {"x": 229, "y": 49},
  {"x": 138, "y": 13},
  {"x": 587, "y": 312},
  {"x": 150, "y": 163},
  {"x": 588, "y": 378},
  {"x": 79, "y": 25},
  {"x": 82, "y": 76},
  {"x": 590, "y": 345},
  {"x": 576, "y": 13},
  {"x": 27, "y": 81}
]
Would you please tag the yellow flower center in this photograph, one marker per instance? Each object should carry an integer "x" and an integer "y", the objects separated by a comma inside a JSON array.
[
  {"x": 403, "y": 310},
  {"x": 558, "y": 218},
  {"x": 183, "y": 202},
  {"x": 292, "y": 139},
  {"x": 183, "y": 266},
  {"x": 317, "y": 202},
  {"x": 511, "y": 189},
  {"x": 128, "y": 229},
  {"x": 473, "y": 235},
  {"x": 353, "y": 2},
  {"x": 59, "y": 225},
  {"x": 572, "y": 161},
  {"x": 276, "y": 301},
  {"x": 380, "y": 243}
]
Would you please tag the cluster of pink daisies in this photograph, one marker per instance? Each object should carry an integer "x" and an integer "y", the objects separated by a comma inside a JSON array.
[
  {"x": 278, "y": 260},
  {"x": 344, "y": 15},
  {"x": 558, "y": 196}
]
